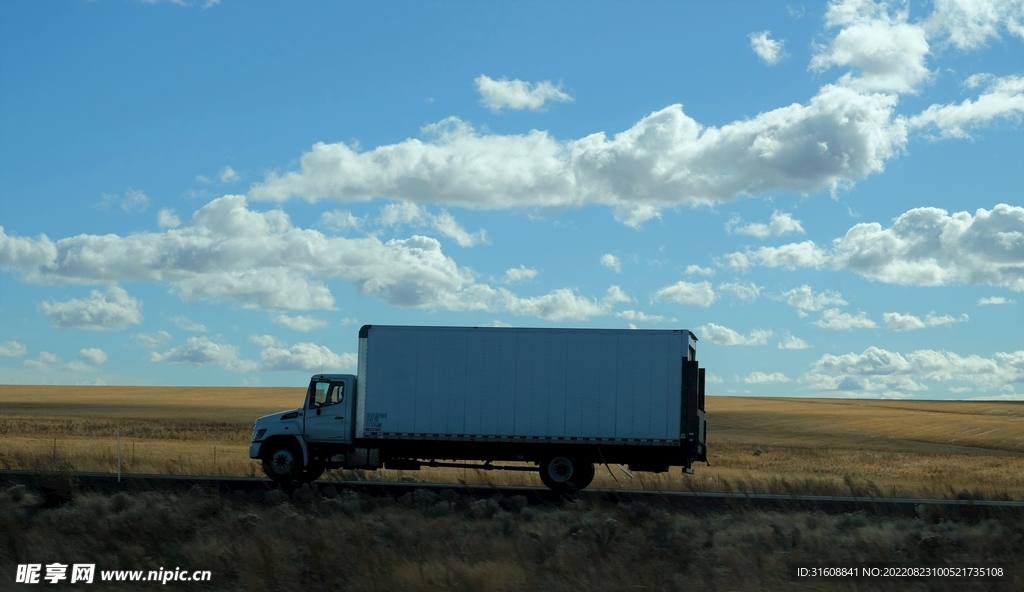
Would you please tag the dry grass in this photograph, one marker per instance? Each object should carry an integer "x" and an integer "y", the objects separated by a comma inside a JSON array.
[
  {"x": 205, "y": 404},
  {"x": 814, "y": 446},
  {"x": 426, "y": 541}
]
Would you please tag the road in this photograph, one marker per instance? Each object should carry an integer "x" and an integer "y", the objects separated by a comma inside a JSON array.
[{"x": 59, "y": 487}]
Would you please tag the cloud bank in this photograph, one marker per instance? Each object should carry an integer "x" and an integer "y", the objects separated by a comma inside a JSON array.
[
  {"x": 886, "y": 373},
  {"x": 923, "y": 247}
]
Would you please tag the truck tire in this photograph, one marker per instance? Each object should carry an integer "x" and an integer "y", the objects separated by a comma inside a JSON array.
[
  {"x": 556, "y": 472},
  {"x": 583, "y": 474},
  {"x": 283, "y": 462}
]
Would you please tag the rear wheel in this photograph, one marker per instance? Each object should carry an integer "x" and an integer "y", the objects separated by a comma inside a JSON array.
[
  {"x": 283, "y": 462},
  {"x": 583, "y": 474},
  {"x": 557, "y": 472}
]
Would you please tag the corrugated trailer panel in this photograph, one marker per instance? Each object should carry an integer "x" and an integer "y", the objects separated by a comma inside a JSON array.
[{"x": 511, "y": 382}]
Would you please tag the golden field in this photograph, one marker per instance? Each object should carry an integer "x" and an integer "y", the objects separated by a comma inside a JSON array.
[{"x": 822, "y": 446}]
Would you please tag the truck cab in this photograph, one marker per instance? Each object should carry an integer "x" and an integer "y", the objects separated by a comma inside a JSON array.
[{"x": 299, "y": 444}]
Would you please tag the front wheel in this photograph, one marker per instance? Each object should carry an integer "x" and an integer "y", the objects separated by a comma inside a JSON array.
[{"x": 283, "y": 463}]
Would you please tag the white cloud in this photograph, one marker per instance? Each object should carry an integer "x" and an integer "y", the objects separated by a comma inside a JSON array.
[
  {"x": 791, "y": 342},
  {"x": 791, "y": 256},
  {"x": 886, "y": 52},
  {"x": 1000, "y": 397},
  {"x": 113, "y": 310},
  {"x": 268, "y": 289},
  {"x": 563, "y": 304},
  {"x": 305, "y": 357},
  {"x": 167, "y": 219},
  {"x": 664, "y": 160},
  {"x": 200, "y": 351},
  {"x": 737, "y": 261},
  {"x": 300, "y": 323},
  {"x": 256, "y": 259},
  {"x": 780, "y": 223},
  {"x": 726, "y": 336},
  {"x": 403, "y": 212},
  {"x": 497, "y": 323},
  {"x": 746, "y": 292},
  {"x": 44, "y": 362},
  {"x": 341, "y": 220},
  {"x": 908, "y": 322},
  {"x": 1003, "y": 99},
  {"x": 766, "y": 48},
  {"x": 969, "y": 24},
  {"x": 636, "y": 315},
  {"x": 395, "y": 214},
  {"x": 517, "y": 94},
  {"x": 88, "y": 358},
  {"x": 228, "y": 175},
  {"x": 762, "y": 378},
  {"x": 263, "y": 340},
  {"x": 804, "y": 298},
  {"x": 92, "y": 356},
  {"x": 834, "y": 319},
  {"x": 522, "y": 273},
  {"x": 177, "y": 2},
  {"x": 611, "y": 262},
  {"x": 48, "y": 358},
  {"x": 446, "y": 225},
  {"x": 151, "y": 340},
  {"x": 698, "y": 270},
  {"x": 923, "y": 247},
  {"x": 688, "y": 293},
  {"x": 879, "y": 370},
  {"x": 933, "y": 320},
  {"x": 132, "y": 200},
  {"x": 12, "y": 349},
  {"x": 928, "y": 247},
  {"x": 995, "y": 300},
  {"x": 186, "y": 324},
  {"x": 902, "y": 322}
]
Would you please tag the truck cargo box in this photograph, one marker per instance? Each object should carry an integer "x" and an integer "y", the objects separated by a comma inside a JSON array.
[{"x": 485, "y": 383}]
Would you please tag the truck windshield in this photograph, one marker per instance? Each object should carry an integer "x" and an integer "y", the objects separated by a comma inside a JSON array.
[{"x": 327, "y": 393}]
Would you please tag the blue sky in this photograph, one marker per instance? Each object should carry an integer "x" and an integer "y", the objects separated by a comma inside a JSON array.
[{"x": 831, "y": 196}]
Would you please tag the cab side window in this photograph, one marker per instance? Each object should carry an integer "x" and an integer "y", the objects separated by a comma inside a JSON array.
[
  {"x": 321, "y": 394},
  {"x": 326, "y": 393}
]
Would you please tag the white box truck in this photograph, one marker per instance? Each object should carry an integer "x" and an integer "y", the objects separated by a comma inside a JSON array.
[{"x": 552, "y": 400}]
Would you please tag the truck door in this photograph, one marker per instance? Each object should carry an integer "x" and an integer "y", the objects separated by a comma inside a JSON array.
[{"x": 328, "y": 416}]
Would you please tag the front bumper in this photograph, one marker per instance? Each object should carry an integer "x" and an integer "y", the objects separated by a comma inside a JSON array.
[{"x": 254, "y": 449}]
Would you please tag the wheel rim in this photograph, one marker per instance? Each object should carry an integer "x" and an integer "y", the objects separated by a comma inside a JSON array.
[
  {"x": 560, "y": 470},
  {"x": 282, "y": 462}
]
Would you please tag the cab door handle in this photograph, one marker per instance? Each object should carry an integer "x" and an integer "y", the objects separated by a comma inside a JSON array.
[{"x": 338, "y": 417}]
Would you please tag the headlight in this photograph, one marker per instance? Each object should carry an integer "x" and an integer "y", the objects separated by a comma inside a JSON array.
[{"x": 259, "y": 434}]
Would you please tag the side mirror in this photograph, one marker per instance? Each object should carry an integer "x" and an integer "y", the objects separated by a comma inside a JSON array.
[{"x": 318, "y": 411}]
